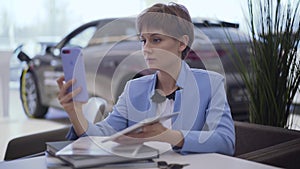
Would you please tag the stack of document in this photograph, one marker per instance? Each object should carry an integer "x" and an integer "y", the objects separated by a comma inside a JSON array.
[
  {"x": 96, "y": 151},
  {"x": 92, "y": 151}
]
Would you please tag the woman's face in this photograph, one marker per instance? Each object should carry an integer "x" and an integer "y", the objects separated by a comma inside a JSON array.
[{"x": 160, "y": 51}]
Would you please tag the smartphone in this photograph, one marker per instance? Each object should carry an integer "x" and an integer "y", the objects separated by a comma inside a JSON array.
[{"x": 73, "y": 67}]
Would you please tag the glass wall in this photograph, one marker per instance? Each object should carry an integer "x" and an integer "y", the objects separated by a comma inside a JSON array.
[{"x": 26, "y": 21}]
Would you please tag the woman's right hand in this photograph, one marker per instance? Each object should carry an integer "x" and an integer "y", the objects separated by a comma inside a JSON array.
[
  {"x": 65, "y": 98},
  {"x": 74, "y": 109}
]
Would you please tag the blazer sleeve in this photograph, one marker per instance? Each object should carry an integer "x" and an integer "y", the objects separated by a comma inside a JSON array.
[
  {"x": 114, "y": 122},
  {"x": 218, "y": 133}
]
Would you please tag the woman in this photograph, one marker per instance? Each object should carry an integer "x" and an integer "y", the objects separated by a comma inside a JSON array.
[{"x": 204, "y": 123}]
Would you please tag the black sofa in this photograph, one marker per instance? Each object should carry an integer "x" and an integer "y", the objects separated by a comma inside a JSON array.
[
  {"x": 265, "y": 144},
  {"x": 34, "y": 144},
  {"x": 269, "y": 145}
]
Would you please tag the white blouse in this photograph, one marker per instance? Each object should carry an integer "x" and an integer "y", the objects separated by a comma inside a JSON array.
[{"x": 165, "y": 108}]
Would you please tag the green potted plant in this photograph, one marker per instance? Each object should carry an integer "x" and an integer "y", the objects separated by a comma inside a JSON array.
[{"x": 273, "y": 77}]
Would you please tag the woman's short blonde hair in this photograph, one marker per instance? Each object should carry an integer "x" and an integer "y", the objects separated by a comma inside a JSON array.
[{"x": 173, "y": 19}]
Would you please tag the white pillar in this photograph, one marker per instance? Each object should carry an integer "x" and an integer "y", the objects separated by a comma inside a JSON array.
[{"x": 4, "y": 82}]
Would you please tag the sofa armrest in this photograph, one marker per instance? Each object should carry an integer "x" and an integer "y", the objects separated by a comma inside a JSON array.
[
  {"x": 285, "y": 154},
  {"x": 33, "y": 144},
  {"x": 251, "y": 137}
]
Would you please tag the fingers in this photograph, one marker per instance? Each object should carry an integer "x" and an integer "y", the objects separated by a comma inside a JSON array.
[
  {"x": 68, "y": 97},
  {"x": 149, "y": 132},
  {"x": 64, "y": 86},
  {"x": 67, "y": 85},
  {"x": 60, "y": 81},
  {"x": 146, "y": 133},
  {"x": 152, "y": 127},
  {"x": 63, "y": 96},
  {"x": 129, "y": 140}
]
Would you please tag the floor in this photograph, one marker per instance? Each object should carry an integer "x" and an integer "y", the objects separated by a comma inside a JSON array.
[{"x": 17, "y": 124}]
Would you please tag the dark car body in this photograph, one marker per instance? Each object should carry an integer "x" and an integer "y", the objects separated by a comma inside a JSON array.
[
  {"x": 112, "y": 55},
  {"x": 31, "y": 49}
]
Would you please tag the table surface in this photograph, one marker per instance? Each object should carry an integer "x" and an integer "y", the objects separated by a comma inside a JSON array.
[{"x": 195, "y": 161}]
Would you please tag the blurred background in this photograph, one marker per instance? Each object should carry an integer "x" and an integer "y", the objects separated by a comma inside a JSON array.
[
  {"x": 37, "y": 23},
  {"x": 31, "y": 25},
  {"x": 49, "y": 20}
]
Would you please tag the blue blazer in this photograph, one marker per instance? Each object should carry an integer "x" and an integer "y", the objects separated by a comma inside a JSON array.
[{"x": 204, "y": 114}]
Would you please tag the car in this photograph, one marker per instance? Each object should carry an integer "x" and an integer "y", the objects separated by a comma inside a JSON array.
[
  {"x": 31, "y": 49},
  {"x": 112, "y": 56}
]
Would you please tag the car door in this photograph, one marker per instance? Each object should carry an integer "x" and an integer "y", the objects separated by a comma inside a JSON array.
[
  {"x": 79, "y": 37},
  {"x": 113, "y": 44}
]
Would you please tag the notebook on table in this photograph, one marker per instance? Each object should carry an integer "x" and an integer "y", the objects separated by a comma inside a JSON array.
[{"x": 90, "y": 152}]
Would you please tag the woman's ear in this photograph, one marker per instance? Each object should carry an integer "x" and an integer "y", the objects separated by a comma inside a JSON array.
[{"x": 183, "y": 42}]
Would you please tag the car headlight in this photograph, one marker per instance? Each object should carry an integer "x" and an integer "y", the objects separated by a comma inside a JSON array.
[{"x": 36, "y": 62}]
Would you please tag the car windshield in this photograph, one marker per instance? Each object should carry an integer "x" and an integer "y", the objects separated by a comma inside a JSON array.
[
  {"x": 115, "y": 31},
  {"x": 82, "y": 39}
]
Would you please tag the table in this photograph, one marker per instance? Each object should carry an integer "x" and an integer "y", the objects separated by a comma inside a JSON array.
[{"x": 196, "y": 161}]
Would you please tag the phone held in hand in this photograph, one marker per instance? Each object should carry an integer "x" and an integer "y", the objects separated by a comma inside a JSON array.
[{"x": 73, "y": 67}]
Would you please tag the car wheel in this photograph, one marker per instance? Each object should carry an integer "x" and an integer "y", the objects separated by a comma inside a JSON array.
[{"x": 30, "y": 96}]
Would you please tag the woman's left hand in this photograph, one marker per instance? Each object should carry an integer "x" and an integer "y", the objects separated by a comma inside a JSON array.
[{"x": 153, "y": 132}]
